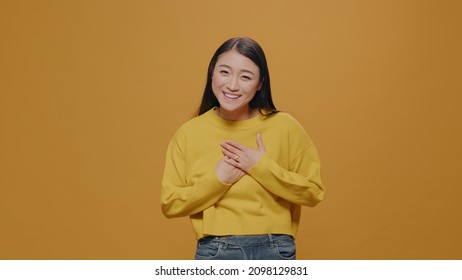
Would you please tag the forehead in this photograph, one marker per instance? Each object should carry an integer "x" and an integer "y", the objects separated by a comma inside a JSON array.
[{"x": 234, "y": 59}]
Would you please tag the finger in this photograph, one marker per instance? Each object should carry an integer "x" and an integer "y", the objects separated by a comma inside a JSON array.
[
  {"x": 235, "y": 145},
  {"x": 230, "y": 148},
  {"x": 261, "y": 147},
  {"x": 233, "y": 163},
  {"x": 230, "y": 154}
]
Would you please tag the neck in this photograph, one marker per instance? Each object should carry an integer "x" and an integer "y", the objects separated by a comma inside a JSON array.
[{"x": 244, "y": 114}]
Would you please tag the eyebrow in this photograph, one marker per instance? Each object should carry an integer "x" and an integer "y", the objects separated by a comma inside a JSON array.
[{"x": 226, "y": 66}]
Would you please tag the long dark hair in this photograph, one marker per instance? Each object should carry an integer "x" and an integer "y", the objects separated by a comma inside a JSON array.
[{"x": 251, "y": 49}]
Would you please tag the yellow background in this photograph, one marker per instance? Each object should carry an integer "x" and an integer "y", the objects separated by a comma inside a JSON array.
[{"x": 92, "y": 91}]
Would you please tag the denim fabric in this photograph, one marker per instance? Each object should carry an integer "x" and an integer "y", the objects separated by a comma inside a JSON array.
[{"x": 253, "y": 247}]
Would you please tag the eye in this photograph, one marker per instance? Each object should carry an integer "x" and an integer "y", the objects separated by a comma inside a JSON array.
[
  {"x": 224, "y": 72},
  {"x": 246, "y": 78}
]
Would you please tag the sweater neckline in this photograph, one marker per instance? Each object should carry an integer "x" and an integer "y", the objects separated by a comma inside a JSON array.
[{"x": 243, "y": 124}]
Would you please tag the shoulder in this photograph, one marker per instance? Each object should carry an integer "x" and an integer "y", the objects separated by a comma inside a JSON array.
[
  {"x": 192, "y": 124},
  {"x": 285, "y": 120},
  {"x": 197, "y": 125},
  {"x": 288, "y": 125}
]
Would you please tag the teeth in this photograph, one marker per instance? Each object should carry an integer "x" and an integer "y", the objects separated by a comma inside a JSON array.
[{"x": 232, "y": 96}]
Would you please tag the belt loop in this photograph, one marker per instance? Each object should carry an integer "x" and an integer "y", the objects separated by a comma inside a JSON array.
[{"x": 271, "y": 241}]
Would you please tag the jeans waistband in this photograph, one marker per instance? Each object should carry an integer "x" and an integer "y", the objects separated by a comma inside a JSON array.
[{"x": 247, "y": 240}]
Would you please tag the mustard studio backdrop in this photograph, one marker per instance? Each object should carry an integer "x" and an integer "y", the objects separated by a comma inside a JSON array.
[{"x": 92, "y": 91}]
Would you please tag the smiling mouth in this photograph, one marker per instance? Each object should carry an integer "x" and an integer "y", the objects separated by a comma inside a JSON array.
[{"x": 231, "y": 96}]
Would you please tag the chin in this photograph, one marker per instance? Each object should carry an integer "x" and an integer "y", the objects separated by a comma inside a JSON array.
[{"x": 230, "y": 109}]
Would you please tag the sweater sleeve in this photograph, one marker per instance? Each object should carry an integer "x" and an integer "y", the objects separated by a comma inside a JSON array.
[
  {"x": 301, "y": 184},
  {"x": 179, "y": 197}
]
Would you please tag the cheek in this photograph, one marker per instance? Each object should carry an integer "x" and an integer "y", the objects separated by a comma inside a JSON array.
[
  {"x": 216, "y": 85},
  {"x": 251, "y": 89},
  {"x": 217, "y": 81}
]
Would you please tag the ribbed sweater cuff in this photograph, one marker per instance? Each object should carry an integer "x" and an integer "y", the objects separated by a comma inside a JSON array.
[{"x": 261, "y": 169}]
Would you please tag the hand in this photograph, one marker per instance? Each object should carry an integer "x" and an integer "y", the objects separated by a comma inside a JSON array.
[
  {"x": 242, "y": 157},
  {"x": 227, "y": 173}
]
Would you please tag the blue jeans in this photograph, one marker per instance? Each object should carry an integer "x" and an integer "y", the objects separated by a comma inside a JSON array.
[{"x": 252, "y": 247}]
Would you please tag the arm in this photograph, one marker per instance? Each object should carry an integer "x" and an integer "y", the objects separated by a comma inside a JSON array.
[
  {"x": 300, "y": 184},
  {"x": 180, "y": 198}
]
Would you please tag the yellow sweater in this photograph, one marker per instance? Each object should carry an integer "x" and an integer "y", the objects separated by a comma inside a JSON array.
[{"x": 266, "y": 200}]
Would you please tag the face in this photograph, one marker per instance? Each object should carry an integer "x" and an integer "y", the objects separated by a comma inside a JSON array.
[{"x": 235, "y": 81}]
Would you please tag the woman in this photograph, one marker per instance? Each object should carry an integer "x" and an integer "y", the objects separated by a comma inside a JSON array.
[{"x": 241, "y": 170}]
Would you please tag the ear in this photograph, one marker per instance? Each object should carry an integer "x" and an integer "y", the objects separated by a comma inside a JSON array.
[{"x": 260, "y": 84}]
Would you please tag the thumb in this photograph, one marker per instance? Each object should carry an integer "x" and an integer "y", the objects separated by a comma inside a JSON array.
[{"x": 261, "y": 147}]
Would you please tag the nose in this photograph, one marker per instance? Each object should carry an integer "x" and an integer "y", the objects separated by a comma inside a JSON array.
[{"x": 233, "y": 84}]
